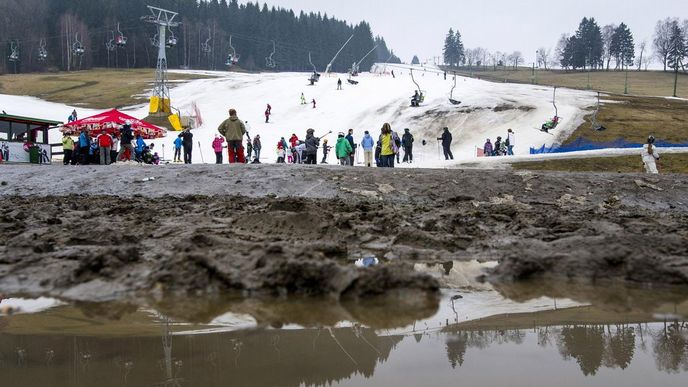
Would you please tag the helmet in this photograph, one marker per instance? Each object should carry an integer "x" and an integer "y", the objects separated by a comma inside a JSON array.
[{"x": 651, "y": 140}]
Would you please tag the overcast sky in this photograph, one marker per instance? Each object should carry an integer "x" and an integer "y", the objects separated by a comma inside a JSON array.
[{"x": 419, "y": 27}]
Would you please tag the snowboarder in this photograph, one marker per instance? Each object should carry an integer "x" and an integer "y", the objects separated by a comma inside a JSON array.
[
  {"x": 343, "y": 149},
  {"x": 326, "y": 150},
  {"x": 303, "y": 99},
  {"x": 650, "y": 155},
  {"x": 368, "y": 144},
  {"x": 218, "y": 145},
  {"x": 339, "y": 84},
  {"x": 178, "y": 150},
  {"x": 313, "y": 102},
  {"x": 257, "y": 146},
  {"x": 350, "y": 138},
  {"x": 487, "y": 148},
  {"x": 407, "y": 144},
  {"x": 510, "y": 142},
  {"x": 446, "y": 144},
  {"x": 187, "y": 143},
  {"x": 233, "y": 129}
]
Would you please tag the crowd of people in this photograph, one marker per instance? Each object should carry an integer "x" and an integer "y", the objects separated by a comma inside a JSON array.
[
  {"x": 108, "y": 147},
  {"x": 501, "y": 147}
]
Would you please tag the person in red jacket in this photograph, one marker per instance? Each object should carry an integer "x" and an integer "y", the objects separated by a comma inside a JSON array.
[
  {"x": 105, "y": 145},
  {"x": 293, "y": 140}
]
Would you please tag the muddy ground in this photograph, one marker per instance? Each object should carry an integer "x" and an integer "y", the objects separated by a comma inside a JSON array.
[{"x": 96, "y": 233}]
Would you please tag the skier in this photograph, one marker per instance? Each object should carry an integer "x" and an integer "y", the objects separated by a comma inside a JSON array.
[
  {"x": 303, "y": 99},
  {"x": 497, "y": 146},
  {"x": 233, "y": 129},
  {"x": 343, "y": 149},
  {"x": 326, "y": 150},
  {"x": 218, "y": 144},
  {"x": 257, "y": 146},
  {"x": 311, "y": 144},
  {"x": 368, "y": 144},
  {"x": 650, "y": 155},
  {"x": 339, "y": 84},
  {"x": 350, "y": 138},
  {"x": 178, "y": 150},
  {"x": 313, "y": 102},
  {"x": 446, "y": 144},
  {"x": 407, "y": 143},
  {"x": 187, "y": 142},
  {"x": 510, "y": 142},
  {"x": 487, "y": 148}
]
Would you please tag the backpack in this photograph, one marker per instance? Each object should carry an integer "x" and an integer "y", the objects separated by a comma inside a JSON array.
[{"x": 397, "y": 140}]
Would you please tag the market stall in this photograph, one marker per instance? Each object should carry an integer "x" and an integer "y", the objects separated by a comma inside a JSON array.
[{"x": 110, "y": 122}]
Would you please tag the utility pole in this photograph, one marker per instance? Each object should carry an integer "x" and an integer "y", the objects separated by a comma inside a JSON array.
[
  {"x": 626, "y": 82},
  {"x": 164, "y": 19},
  {"x": 675, "y": 79}
]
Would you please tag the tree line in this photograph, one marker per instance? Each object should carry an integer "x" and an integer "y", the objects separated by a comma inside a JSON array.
[
  {"x": 590, "y": 47},
  {"x": 32, "y": 28}
]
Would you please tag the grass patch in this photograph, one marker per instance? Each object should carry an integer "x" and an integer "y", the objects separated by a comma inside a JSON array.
[
  {"x": 669, "y": 163},
  {"x": 96, "y": 89},
  {"x": 643, "y": 83}
]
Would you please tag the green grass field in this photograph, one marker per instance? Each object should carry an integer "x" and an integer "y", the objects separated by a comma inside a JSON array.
[
  {"x": 97, "y": 89},
  {"x": 643, "y": 83}
]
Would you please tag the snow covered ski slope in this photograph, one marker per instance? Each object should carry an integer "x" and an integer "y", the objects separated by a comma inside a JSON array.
[{"x": 487, "y": 109}]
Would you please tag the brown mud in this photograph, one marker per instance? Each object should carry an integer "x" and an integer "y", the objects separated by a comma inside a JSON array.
[{"x": 276, "y": 230}]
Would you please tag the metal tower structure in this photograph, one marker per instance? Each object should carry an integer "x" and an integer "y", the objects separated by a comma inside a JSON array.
[{"x": 164, "y": 19}]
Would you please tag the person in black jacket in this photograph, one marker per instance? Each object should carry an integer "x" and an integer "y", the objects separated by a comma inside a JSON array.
[
  {"x": 126, "y": 137},
  {"x": 407, "y": 143},
  {"x": 187, "y": 143},
  {"x": 446, "y": 144},
  {"x": 312, "y": 144}
]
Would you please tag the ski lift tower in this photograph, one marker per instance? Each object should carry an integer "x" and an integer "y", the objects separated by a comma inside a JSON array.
[{"x": 164, "y": 19}]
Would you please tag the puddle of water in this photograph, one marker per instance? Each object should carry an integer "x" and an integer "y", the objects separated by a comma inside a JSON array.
[{"x": 517, "y": 335}]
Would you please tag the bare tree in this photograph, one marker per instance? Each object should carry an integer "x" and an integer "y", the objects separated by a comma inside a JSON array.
[
  {"x": 544, "y": 56},
  {"x": 662, "y": 40},
  {"x": 516, "y": 59},
  {"x": 470, "y": 57},
  {"x": 496, "y": 59},
  {"x": 607, "y": 34},
  {"x": 559, "y": 49},
  {"x": 641, "y": 47}
]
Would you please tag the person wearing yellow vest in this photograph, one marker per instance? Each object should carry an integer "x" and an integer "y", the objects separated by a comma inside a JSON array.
[
  {"x": 388, "y": 140},
  {"x": 67, "y": 148}
]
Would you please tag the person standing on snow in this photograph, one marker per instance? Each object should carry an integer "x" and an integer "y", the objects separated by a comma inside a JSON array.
[
  {"x": 350, "y": 139},
  {"x": 446, "y": 144},
  {"x": 497, "y": 146},
  {"x": 407, "y": 144},
  {"x": 343, "y": 149},
  {"x": 326, "y": 150},
  {"x": 233, "y": 129},
  {"x": 294, "y": 140},
  {"x": 303, "y": 99},
  {"x": 249, "y": 150},
  {"x": 267, "y": 116},
  {"x": 177, "y": 150},
  {"x": 368, "y": 144},
  {"x": 84, "y": 145},
  {"x": 281, "y": 152},
  {"x": 510, "y": 142},
  {"x": 257, "y": 146},
  {"x": 311, "y": 151},
  {"x": 218, "y": 143},
  {"x": 126, "y": 136},
  {"x": 313, "y": 102},
  {"x": 105, "y": 145},
  {"x": 140, "y": 144},
  {"x": 487, "y": 148},
  {"x": 187, "y": 143},
  {"x": 650, "y": 155},
  {"x": 388, "y": 146},
  {"x": 339, "y": 84}
]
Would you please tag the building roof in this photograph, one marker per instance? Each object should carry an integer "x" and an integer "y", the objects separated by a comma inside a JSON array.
[{"x": 28, "y": 120}]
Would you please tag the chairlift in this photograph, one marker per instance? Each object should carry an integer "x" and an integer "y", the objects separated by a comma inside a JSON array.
[
  {"x": 451, "y": 94},
  {"x": 206, "y": 47},
  {"x": 419, "y": 95},
  {"x": 121, "y": 40},
  {"x": 78, "y": 48},
  {"x": 554, "y": 122},
  {"x": 155, "y": 40},
  {"x": 269, "y": 61},
  {"x": 14, "y": 55},
  {"x": 171, "y": 40},
  {"x": 42, "y": 52},
  {"x": 315, "y": 77},
  {"x": 232, "y": 57},
  {"x": 110, "y": 44}
]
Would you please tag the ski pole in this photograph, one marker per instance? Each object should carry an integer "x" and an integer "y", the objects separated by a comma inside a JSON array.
[{"x": 201, "y": 150}]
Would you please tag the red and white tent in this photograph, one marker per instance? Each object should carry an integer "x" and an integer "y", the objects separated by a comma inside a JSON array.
[{"x": 110, "y": 122}]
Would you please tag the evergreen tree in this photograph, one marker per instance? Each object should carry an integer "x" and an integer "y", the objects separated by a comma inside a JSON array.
[
  {"x": 459, "y": 49},
  {"x": 450, "y": 49},
  {"x": 415, "y": 60},
  {"x": 677, "y": 47},
  {"x": 622, "y": 47}
]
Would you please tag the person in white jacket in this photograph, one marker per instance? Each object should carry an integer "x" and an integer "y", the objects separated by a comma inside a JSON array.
[{"x": 650, "y": 155}]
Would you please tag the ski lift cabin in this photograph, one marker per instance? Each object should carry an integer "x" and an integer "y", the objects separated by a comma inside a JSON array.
[{"x": 25, "y": 139}]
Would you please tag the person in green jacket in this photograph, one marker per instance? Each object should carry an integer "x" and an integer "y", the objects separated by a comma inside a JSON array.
[
  {"x": 234, "y": 130},
  {"x": 343, "y": 149}
]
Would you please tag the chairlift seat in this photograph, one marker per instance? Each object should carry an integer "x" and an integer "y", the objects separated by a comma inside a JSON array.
[
  {"x": 351, "y": 81},
  {"x": 454, "y": 102}
]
